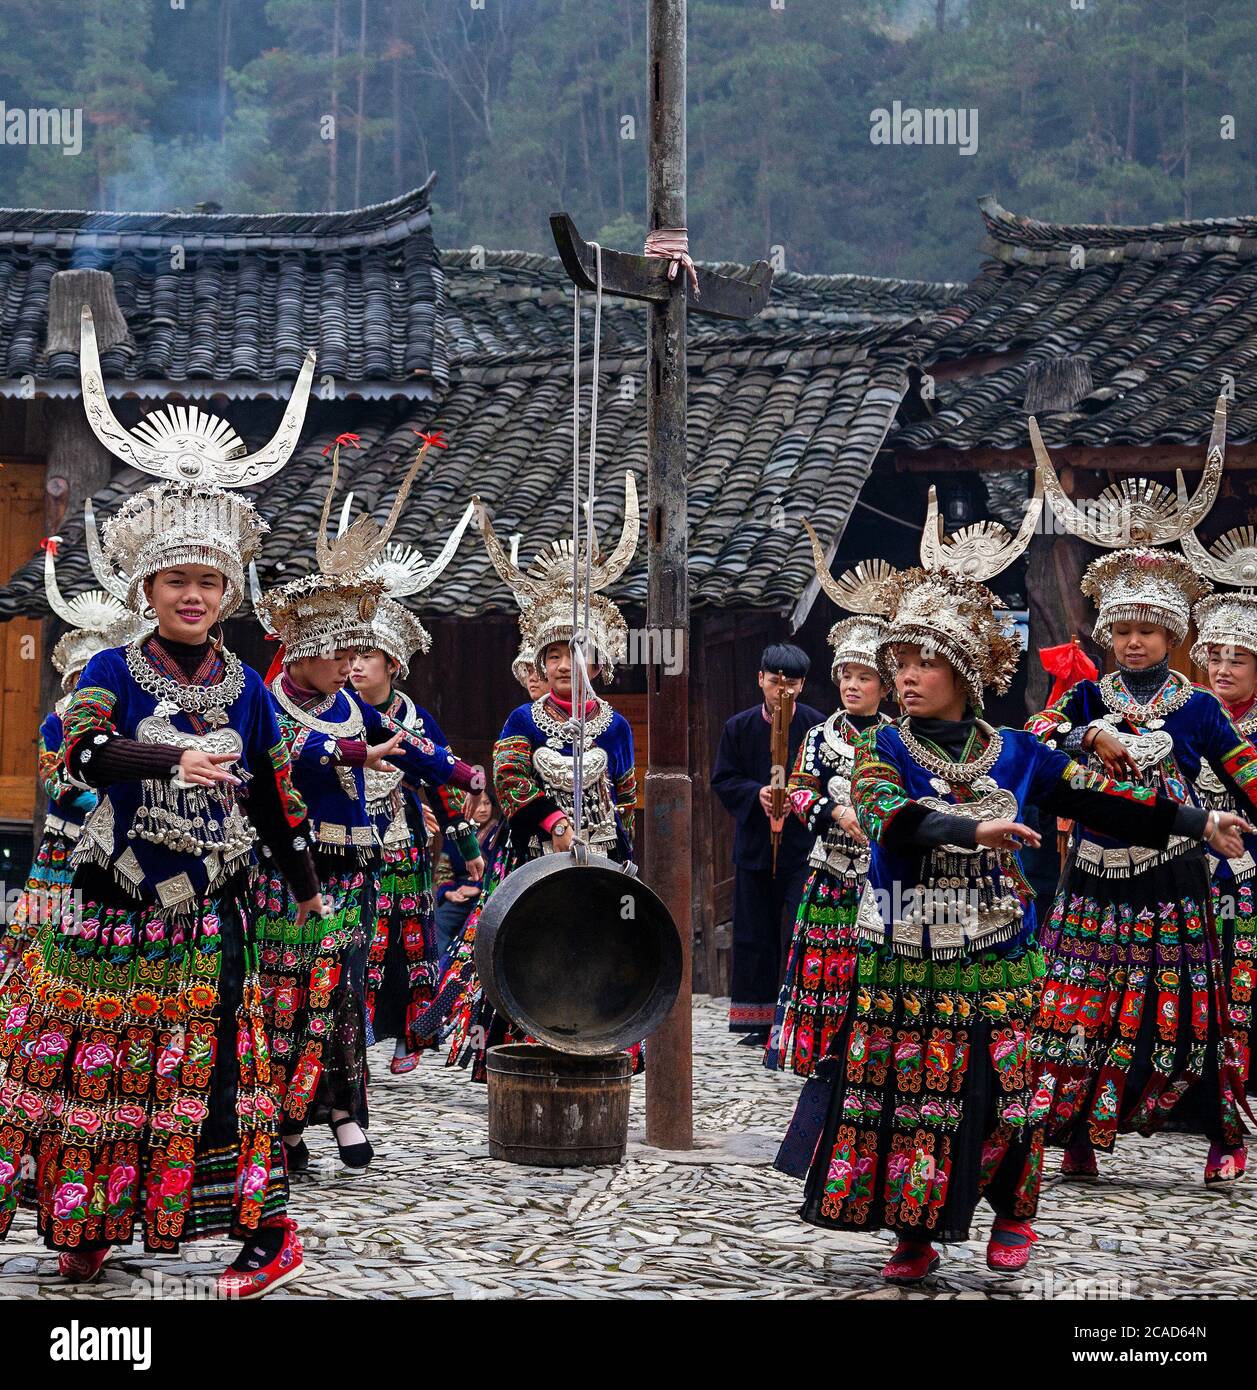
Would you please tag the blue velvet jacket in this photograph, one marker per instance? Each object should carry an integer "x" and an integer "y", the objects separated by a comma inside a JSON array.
[
  {"x": 335, "y": 792},
  {"x": 532, "y": 765},
  {"x": 1197, "y": 735},
  {"x": 892, "y": 794},
  {"x": 146, "y": 832},
  {"x": 393, "y": 799}
]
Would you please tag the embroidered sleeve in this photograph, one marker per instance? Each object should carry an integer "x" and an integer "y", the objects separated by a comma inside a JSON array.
[
  {"x": 626, "y": 799},
  {"x": 877, "y": 789},
  {"x": 1059, "y": 721},
  {"x": 513, "y": 777},
  {"x": 1123, "y": 810},
  {"x": 52, "y": 771},
  {"x": 807, "y": 795},
  {"x": 89, "y": 713},
  {"x": 1231, "y": 756},
  {"x": 293, "y": 807}
]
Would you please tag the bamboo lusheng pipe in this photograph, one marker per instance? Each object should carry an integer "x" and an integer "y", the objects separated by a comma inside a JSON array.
[{"x": 779, "y": 752}]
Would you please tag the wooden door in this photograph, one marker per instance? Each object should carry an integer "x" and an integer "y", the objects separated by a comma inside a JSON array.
[{"x": 21, "y": 657}]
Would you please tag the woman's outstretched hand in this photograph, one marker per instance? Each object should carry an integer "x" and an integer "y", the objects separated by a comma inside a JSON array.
[{"x": 1006, "y": 834}]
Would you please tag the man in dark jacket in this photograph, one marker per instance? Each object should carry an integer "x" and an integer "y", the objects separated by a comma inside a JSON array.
[{"x": 764, "y": 903}]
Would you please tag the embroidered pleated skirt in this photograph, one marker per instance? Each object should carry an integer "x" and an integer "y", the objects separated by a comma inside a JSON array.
[
  {"x": 313, "y": 991},
  {"x": 402, "y": 971},
  {"x": 1132, "y": 1026},
  {"x": 928, "y": 1099},
  {"x": 819, "y": 973},
  {"x": 135, "y": 1082},
  {"x": 44, "y": 897}
]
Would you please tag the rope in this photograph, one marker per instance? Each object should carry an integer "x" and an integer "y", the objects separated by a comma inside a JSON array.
[
  {"x": 673, "y": 244},
  {"x": 581, "y": 683}
]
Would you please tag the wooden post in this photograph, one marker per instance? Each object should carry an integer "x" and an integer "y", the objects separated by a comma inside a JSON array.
[
  {"x": 668, "y": 825},
  {"x": 669, "y": 1071},
  {"x": 75, "y": 467}
]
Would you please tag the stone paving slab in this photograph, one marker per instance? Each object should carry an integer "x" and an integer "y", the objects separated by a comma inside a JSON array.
[{"x": 437, "y": 1218}]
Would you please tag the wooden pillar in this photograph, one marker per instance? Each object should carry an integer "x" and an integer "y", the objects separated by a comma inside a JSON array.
[
  {"x": 669, "y": 1072},
  {"x": 76, "y": 466}
]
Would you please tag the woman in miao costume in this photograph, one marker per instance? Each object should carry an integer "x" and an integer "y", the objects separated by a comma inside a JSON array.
[
  {"x": 402, "y": 963},
  {"x": 533, "y": 757},
  {"x": 314, "y": 971},
  {"x": 932, "y": 1106},
  {"x": 134, "y": 1070},
  {"x": 1226, "y": 649},
  {"x": 97, "y": 620},
  {"x": 821, "y": 963},
  {"x": 1133, "y": 1010}
]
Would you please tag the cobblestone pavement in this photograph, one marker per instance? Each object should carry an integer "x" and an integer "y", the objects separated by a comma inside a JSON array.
[{"x": 436, "y": 1217}]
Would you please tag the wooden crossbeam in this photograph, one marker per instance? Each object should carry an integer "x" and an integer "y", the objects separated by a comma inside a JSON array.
[{"x": 646, "y": 277}]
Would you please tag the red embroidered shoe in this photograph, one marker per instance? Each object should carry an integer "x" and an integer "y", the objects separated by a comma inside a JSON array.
[
  {"x": 1225, "y": 1166},
  {"x": 256, "y": 1271},
  {"x": 407, "y": 1062},
  {"x": 911, "y": 1262},
  {"x": 1079, "y": 1163},
  {"x": 1009, "y": 1245},
  {"x": 82, "y": 1266}
]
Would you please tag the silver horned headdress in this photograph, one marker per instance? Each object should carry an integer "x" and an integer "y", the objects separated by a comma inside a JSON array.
[
  {"x": 544, "y": 590},
  {"x": 864, "y": 591},
  {"x": 1226, "y": 619},
  {"x": 97, "y": 620},
  {"x": 945, "y": 606},
  {"x": 1134, "y": 517},
  {"x": 190, "y": 517},
  {"x": 335, "y": 608}
]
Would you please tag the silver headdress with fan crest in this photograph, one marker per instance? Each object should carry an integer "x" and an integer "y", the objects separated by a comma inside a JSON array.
[
  {"x": 1136, "y": 511},
  {"x": 1134, "y": 517},
  {"x": 337, "y": 607},
  {"x": 1226, "y": 619},
  {"x": 545, "y": 588},
  {"x": 190, "y": 517},
  {"x": 946, "y": 607},
  {"x": 97, "y": 621},
  {"x": 863, "y": 591}
]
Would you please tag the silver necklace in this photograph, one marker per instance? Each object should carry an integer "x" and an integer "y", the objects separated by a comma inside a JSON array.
[
  {"x": 560, "y": 732},
  {"x": 1118, "y": 700},
  {"x": 952, "y": 772},
  {"x": 349, "y": 728},
  {"x": 211, "y": 701}
]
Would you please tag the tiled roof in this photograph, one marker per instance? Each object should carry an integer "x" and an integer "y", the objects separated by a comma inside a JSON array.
[
  {"x": 1165, "y": 317},
  {"x": 782, "y": 425},
  {"x": 217, "y": 297},
  {"x": 507, "y": 305}
]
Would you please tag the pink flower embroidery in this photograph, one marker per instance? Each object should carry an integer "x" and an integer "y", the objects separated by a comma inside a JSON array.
[
  {"x": 68, "y": 1198},
  {"x": 54, "y": 1044},
  {"x": 120, "y": 1182}
]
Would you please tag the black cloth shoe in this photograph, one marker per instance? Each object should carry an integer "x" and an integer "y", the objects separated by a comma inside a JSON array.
[{"x": 355, "y": 1157}]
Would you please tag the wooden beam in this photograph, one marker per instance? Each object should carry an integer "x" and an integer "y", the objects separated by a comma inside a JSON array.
[
  {"x": 646, "y": 277},
  {"x": 1121, "y": 458}
]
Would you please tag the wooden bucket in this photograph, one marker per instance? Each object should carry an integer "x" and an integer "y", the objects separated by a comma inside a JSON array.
[{"x": 554, "y": 1109}]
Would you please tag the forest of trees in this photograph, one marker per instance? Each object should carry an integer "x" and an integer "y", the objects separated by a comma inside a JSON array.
[{"x": 1088, "y": 111}]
